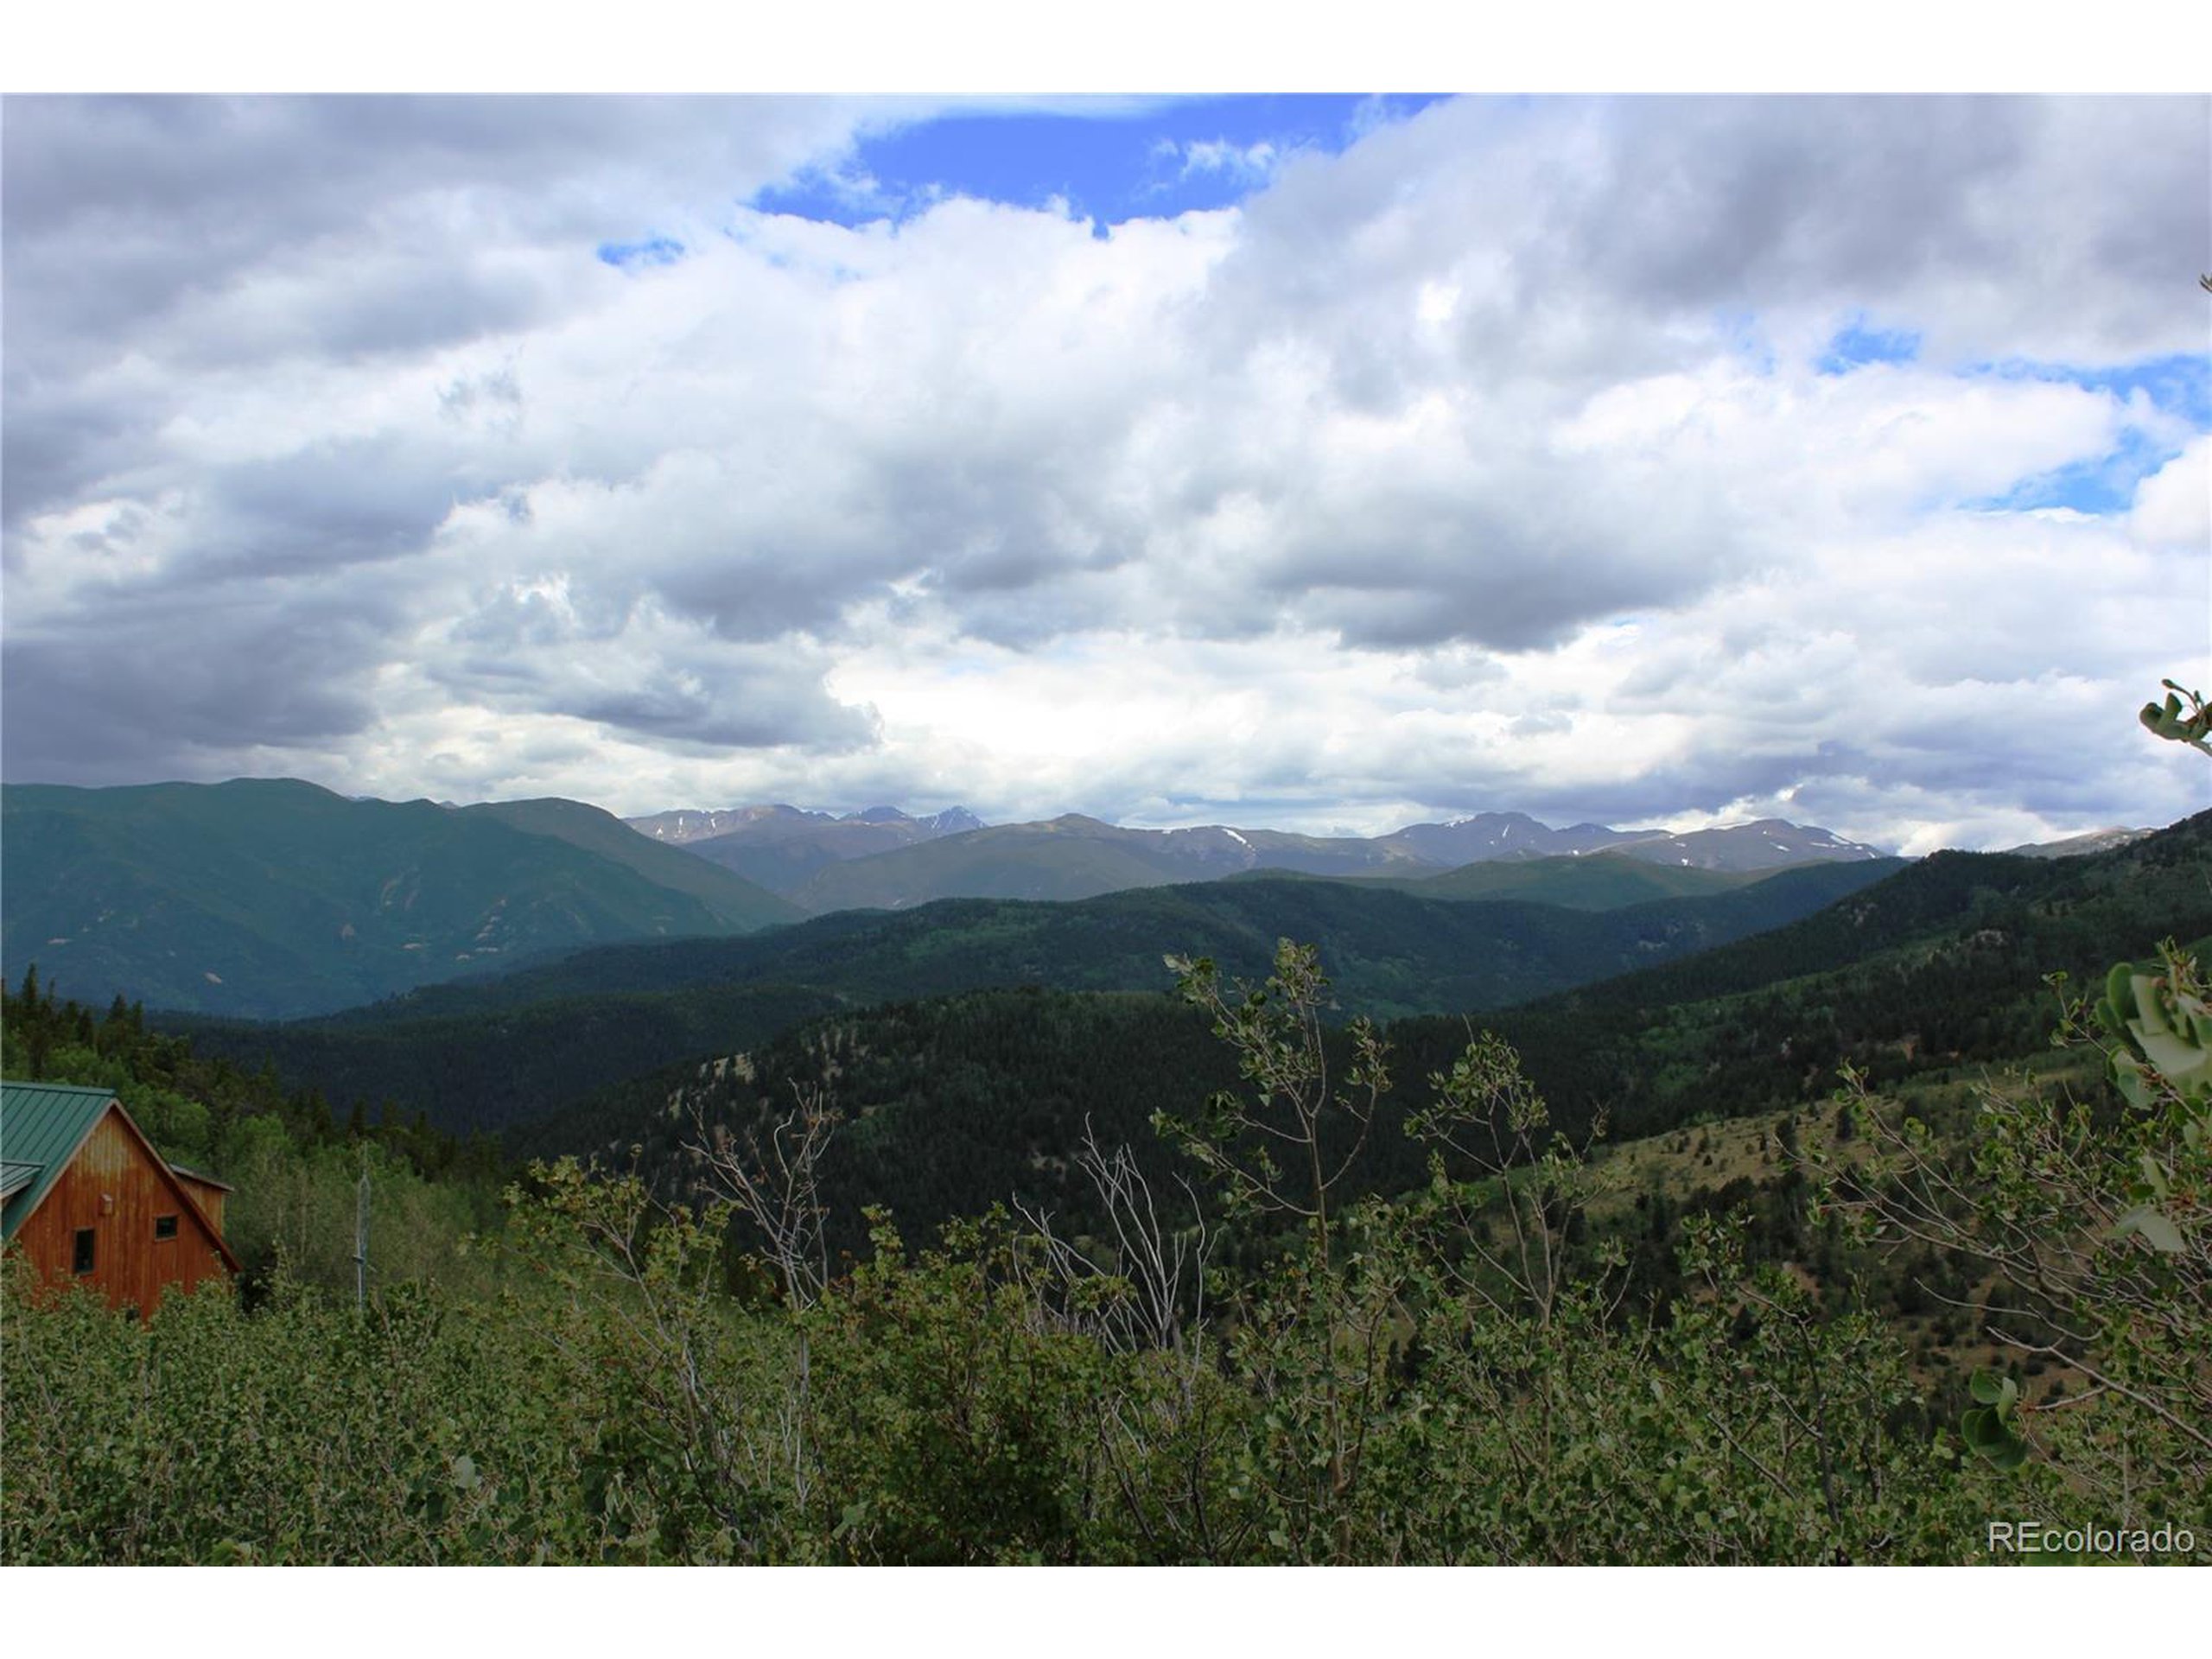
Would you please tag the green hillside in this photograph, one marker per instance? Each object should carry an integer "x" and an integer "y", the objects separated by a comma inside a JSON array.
[
  {"x": 273, "y": 897},
  {"x": 1597, "y": 881},
  {"x": 780, "y": 846},
  {"x": 1589, "y": 881},
  {"x": 1396, "y": 952},
  {"x": 1938, "y": 971},
  {"x": 1753, "y": 996},
  {"x": 959, "y": 1102},
  {"x": 744, "y": 905},
  {"x": 781, "y": 866},
  {"x": 535, "y": 1038},
  {"x": 952, "y": 1104},
  {"x": 1070, "y": 857}
]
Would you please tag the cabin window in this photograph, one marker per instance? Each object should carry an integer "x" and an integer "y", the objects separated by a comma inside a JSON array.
[
  {"x": 84, "y": 1236},
  {"x": 164, "y": 1226}
]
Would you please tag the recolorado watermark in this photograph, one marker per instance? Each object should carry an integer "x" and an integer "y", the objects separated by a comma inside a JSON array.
[{"x": 2040, "y": 1538}]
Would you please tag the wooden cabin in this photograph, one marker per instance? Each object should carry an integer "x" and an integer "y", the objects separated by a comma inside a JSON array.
[{"x": 87, "y": 1200}]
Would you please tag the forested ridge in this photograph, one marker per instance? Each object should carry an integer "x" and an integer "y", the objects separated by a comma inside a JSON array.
[
  {"x": 1222, "y": 1273},
  {"x": 507, "y": 1053},
  {"x": 513, "y": 1053},
  {"x": 1941, "y": 971}
]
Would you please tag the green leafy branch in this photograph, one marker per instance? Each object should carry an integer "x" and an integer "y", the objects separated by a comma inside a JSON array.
[{"x": 2180, "y": 722}]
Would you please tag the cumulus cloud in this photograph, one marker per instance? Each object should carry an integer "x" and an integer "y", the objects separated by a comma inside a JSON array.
[
  {"x": 2173, "y": 505},
  {"x": 1502, "y": 460}
]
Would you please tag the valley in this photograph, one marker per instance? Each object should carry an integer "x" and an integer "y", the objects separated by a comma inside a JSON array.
[
  {"x": 274, "y": 899},
  {"x": 1634, "y": 1061}
]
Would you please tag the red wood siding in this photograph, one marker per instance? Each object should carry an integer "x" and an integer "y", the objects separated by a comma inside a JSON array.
[
  {"x": 210, "y": 1195},
  {"x": 114, "y": 1187}
]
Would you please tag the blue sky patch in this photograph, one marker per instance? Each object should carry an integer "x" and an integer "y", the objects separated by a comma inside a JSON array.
[
  {"x": 1855, "y": 344},
  {"x": 2179, "y": 385},
  {"x": 629, "y": 256},
  {"x": 2104, "y": 484},
  {"x": 1116, "y": 164}
]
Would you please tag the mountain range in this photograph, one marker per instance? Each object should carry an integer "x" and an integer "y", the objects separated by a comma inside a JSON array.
[
  {"x": 592, "y": 953},
  {"x": 1934, "y": 972},
  {"x": 490, "y": 1051},
  {"x": 272, "y": 897},
  {"x": 2091, "y": 840},
  {"x": 779, "y": 847},
  {"x": 885, "y": 860}
]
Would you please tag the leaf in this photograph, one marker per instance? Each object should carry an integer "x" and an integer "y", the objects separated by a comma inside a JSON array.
[
  {"x": 1991, "y": 1390},
  {"x": 1987, "y": 1435},
  {"x": 2153, "y": 1176},
  {"x": 2148, "y": 1007},
  {"x": 2128, "y": 1076},
  {"x": 2158, "y": 1229}
]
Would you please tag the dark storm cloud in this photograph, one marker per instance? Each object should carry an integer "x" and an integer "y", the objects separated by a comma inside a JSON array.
[
  {"x": 1727, "y": 202},
  {"x": 190, "y": 234},
  {"x": 685, "y": 691},
  {"x": 607, "y": 652},
  {"x": 155, "y": 248},
  {"x": 2033, "y": 226},
  {"x": 774, "y": 580},
  {"x": 989, "y": 529},
  {"x": 57, "y": 445},
  {"x": 759, "y": 714},
  {"x": 154, "y": 693},
  {"x": 119, "y": 206},
  {"x": 1505, "y": 580},
  {"x": 329, "y": 505}
]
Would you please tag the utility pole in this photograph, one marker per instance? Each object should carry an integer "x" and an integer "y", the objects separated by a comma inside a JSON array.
[{"x": 361, "y": 1236}]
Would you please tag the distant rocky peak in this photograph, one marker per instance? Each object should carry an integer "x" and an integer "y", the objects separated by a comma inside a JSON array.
[{"x": 2090, "y": 840}]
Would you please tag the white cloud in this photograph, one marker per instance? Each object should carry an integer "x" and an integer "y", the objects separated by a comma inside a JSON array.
[
  {"x": 1486, "y": 465},
  {"x": 2173, "y": 505},
  {"x": 1250, "y": 163}
]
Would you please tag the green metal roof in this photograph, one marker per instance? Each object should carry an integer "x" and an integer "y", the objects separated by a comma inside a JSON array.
[{"x": 41, "y": 1126}]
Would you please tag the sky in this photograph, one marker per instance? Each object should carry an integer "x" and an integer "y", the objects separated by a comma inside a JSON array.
[{"x": 1317, "y": 462}]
